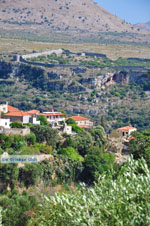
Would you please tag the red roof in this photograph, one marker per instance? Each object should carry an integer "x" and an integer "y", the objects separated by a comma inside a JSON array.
[
  {"x": 33, "y": 112},
  {"x": 126, "y": 128},
  {"x": 79, "y": 118},
  {"x": 10, "y": 109},
  {"x": 131, "y": 138},
  {"x": 16, "y": 113}
]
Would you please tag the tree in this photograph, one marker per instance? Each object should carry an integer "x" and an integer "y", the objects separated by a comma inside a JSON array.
[
  {"x": 70, "y": 121},
  {"x": 103, "y": 124},
  {"x": 5, "y": 141},
  {"x": 83, "y": 142},
  {"x": 98, "y": 136},
  {"x": 46, "y": 134},
  {"x": 140, "y": 146},
  {"x": 29, "y": 174},
  {"x": 30, "y": 139},
  {"x": 17, "y": 209},
  {"x": 9, "y": 175},
  {"x": 95, "y": 163},
  {"x": 43, "y": 120}
]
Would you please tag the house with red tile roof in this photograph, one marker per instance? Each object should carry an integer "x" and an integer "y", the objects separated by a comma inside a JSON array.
[
  {"x": 33, "y": 112},
  {"x": 15, "y": 115},
  {"x": 54, "y": 118},
  {"x": 82, "y": 121},
  {"x": 127, "y": 130}
]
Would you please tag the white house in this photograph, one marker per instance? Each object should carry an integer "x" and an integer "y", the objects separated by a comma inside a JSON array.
[
  {"x": 127, "y": 130},
  {"x": 82, "y": 121},
  {"x": 54, "y": 118}
]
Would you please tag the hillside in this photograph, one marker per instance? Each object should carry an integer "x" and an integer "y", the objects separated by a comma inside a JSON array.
[
  {"x": 80, "y": 18},
  {"x": 144, "y": 26},
  {"x": 118, "y": 89}
]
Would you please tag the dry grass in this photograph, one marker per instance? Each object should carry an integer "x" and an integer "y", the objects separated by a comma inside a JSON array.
[{"x": 113, "y": 51}]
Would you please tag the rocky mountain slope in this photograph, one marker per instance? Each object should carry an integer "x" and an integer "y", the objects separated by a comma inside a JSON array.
[
  {"x": 123, "y": 96},
  {"x": 71, "y": 17},
  {"x": 144, "y": 26}
]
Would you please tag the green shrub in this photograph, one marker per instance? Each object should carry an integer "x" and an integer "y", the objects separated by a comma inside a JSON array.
[
  {"x": 16, "y": 125},
  {"x": 71, "y": 153}
]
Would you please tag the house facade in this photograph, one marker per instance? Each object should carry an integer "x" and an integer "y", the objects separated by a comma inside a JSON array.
[
  {"x": 82, "y": 121},
  {"x": 54, "y": 118},
  {"x": 126, "y": 131},
  {"x": 18, "y": 116},
  {"x": 15, "y": 115}
]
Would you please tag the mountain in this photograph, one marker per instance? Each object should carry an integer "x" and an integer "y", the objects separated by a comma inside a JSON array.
[
  {"x": 144, "y": 26},
  {"x": 44, "y": 17}
]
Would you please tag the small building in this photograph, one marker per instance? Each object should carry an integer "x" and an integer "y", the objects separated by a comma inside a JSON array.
[
  {"x": 126, "y": 131},
  {"x": 54, "y": 118},
  {"x": 82, "y": 121},
  {"x": 17, "y": 116},
  {"x": 67, "y": 129},
  {"x": 33, "y": 118},
  {"x": 14, "y": 114}
]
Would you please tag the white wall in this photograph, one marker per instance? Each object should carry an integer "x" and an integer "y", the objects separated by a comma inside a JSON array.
[
  {"x": 57, "y": 52},
  {"x": 4, "y": 108},
  {"x": 5, "y": 123},
  {"x": 33, "y": 120},
  {"x": 132, "y": 130},
  {"x": 26, "y": 119}
]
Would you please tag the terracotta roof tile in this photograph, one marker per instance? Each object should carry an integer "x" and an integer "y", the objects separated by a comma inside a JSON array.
[
  {"x": 79, "y": 118},
  {"x": 33, "y": 112},
  {"x": 16, "y": 114},
  {"x": 126, "y": 128},
  {"x": 10, "y": 109}
]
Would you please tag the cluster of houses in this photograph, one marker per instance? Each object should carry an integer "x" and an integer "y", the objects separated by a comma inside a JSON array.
[{"x": 9, "y": 114}]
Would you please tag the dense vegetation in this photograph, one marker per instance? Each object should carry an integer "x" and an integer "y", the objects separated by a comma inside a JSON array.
[
  {"x": 114, "y": 194},
  {"x": 115, "y": 200}
]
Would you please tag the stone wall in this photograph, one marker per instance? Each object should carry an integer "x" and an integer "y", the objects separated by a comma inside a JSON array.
[{"x": 17, "y": 131}]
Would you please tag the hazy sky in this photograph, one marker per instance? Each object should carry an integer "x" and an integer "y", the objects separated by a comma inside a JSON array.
[{"x": 133, "y": 11}]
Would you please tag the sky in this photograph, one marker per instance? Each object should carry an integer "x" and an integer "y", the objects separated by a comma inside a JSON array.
[{"x": 133, "y": 11}]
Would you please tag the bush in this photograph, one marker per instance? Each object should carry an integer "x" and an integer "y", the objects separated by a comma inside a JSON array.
[
  {"x": 30, "y": 139},
  {"x": 70, "y": 121},
  {"x": 71, "y": 153},
  {"x": 43, "y": 120},
  {"x": 15, "y": 209},
  {"x": 16, "y": 125}
]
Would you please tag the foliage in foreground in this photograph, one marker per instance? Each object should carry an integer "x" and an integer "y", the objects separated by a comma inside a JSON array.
[{"x": 116, "y": 200}]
